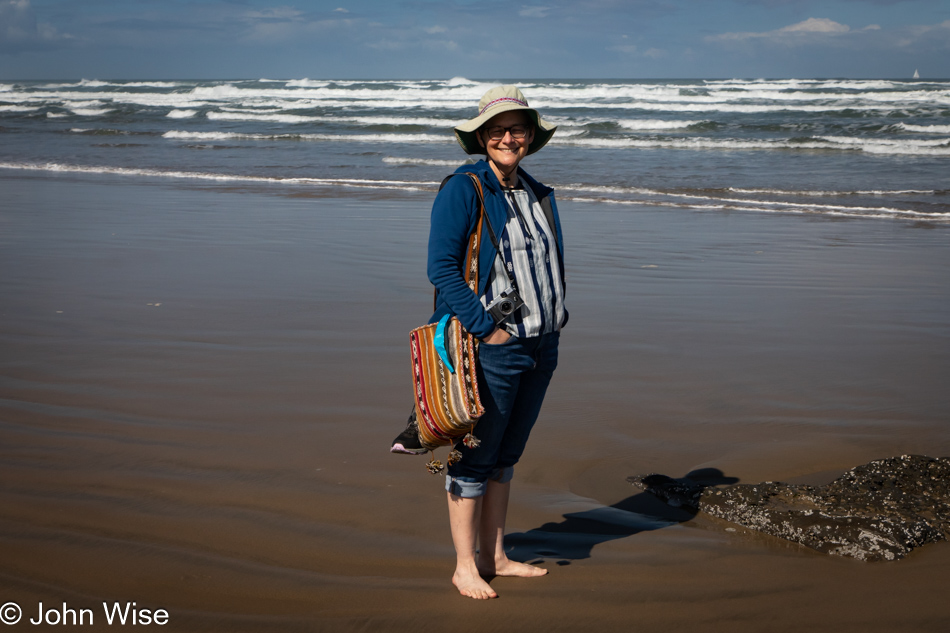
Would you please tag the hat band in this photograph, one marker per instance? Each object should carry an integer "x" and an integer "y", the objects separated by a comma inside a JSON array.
[{"x": 501, "y": 100}]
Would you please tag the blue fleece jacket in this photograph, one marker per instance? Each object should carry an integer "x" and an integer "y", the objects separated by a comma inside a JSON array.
[{"x": 454, "y": 215}]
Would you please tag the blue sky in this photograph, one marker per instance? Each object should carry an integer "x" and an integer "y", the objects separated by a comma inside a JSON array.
[{"x": 166, "y": 39}]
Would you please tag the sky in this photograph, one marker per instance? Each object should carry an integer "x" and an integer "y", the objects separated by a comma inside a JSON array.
[{"x": 487, "y": 39}]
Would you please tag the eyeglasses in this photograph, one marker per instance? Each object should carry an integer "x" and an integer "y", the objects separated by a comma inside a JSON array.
[{"x": 517, "y": 132}]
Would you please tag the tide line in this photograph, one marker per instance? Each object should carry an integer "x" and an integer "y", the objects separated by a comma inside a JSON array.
[{"x": 158, "y": 173}]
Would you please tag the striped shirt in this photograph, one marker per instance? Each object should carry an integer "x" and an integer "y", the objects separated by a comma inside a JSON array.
[{"x": 530, "y": 251}]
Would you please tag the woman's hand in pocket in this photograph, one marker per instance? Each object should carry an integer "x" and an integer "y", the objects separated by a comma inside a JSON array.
[{"x": 497, "y": 337}]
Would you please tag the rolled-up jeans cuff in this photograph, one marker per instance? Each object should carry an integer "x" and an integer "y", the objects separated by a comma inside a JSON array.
[{"x": 468, "y": 488}]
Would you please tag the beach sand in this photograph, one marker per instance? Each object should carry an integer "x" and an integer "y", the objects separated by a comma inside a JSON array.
[{"x": 199, "y": 384}]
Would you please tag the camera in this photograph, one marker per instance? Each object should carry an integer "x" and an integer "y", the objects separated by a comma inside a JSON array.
[{"x": 504, "y": 305}]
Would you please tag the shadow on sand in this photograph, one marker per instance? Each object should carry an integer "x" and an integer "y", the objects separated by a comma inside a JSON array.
[{"x": 575, "y": 536}]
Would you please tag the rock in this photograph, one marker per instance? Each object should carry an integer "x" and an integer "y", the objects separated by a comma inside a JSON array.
[{"x": 879, "y": 511}]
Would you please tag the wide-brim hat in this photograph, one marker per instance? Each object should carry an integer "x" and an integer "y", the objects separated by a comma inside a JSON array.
[{"x": 495, "y": 101}]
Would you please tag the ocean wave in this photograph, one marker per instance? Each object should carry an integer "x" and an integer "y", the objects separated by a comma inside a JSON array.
[
  {"x": 343, "y": 138},
  {"x": 145, "y": 99},
  {"x": 654, "y": 124},
  {"x": 925, "y": 129},
  {"x": 383, "y": 120},
  {"x": 90, "y": 111},
  {"x": 716, "y": 195},
  {"x": 181, "y": 114},
  {"x": 306, "y": 83},
  {"x": 18, "y": 108},
  {"x": 811, "y": 84},
  {"x": 713, "y": 107},
  {"x": 630, "y": 195},
  {"x": 872, "y": 146},
  {"x": 934, "y": 147},
  {"x": 158, "y": 173},
  {"x": 276, "y": 115},
  {"x": 459, "y": 99},
  {"x": 96, "y": 83},
  {"x": 760, "y": 206},
  {"x": 249, "y": 116},
  {"x": 432, "y": 162},
  {"x": 806, "y": 192},
  {"x": 842, "y": 100},
  {"x": 460, "y": 81}
]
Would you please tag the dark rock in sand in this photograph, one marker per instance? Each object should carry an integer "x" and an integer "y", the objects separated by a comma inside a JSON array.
[{"x": 879, "y": 511}]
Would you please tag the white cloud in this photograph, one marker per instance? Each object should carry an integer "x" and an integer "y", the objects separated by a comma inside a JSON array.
[
  {"x": 534, "y": 12},
  {"x": 276, "y": 13},
  {"x": 432, "y": 30},
  {"x": 340, "y": 10},
  {"x": 815, "y": 25},
  {"x": 809, "y": 27},
  {"x": 822, "y": 31}
]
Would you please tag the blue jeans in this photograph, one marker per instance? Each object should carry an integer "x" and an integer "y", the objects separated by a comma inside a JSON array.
[{"x": 512, "y": 380}]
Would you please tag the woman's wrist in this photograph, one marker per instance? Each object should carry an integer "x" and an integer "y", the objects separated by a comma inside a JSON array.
[{"x": 497, "y": 337}]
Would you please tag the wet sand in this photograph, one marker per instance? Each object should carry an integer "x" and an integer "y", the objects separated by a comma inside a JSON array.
[{"x": 198, "y": 386}]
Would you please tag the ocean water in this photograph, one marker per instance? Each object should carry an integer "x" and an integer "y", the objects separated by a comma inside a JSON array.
[{"x": 836, "y": 148}]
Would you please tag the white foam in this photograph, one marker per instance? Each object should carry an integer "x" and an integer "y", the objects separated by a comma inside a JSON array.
[
  {"x": 381, "y": 120},
  {"x": 250, "y": 116},
  {"x": 306, "y": 83},
  {"x": 126, "y": 171},
  {"x": 56, "y": 115},
  {"x": 460, "y": 81},
  {"x": 343, "y": 138},
  {"x": 926, "y": 129},
  {"x": 698, "y": 105},
  {"x": 869, "y": 192},
  {"x": 18, "y": 108},
  {"x": 181, "y": 114},
  {"x": 932, "y": 147},
  {"x": 90, "y": 111},
  {"x": 175, "y": 99},
  {"x": 910, "y": 147},
  {"x": 655, "y": 124},
  {"x": 254, "y": 109},
  {"x": 875, "y": 213},
  {"x": 396, "y": 160}
]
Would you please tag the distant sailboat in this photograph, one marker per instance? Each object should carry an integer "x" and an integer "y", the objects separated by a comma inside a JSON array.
[{"x": 916, "y": 74}]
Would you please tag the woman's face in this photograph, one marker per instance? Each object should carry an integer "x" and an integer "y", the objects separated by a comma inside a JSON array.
[{"x": 507, "y": 151}]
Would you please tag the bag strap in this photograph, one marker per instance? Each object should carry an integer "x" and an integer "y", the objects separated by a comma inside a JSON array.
[
  {"x": 471, "y": 252},
  {"x": 491, "y": 232},
  {"x": 471, "y": 258}
]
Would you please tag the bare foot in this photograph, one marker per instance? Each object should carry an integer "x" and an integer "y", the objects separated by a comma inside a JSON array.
[
  {"x": 511, "y": 568},
  {"x": 472, "y": 585}
]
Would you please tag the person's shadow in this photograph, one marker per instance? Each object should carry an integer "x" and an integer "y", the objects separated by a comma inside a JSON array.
[{"x": 575, "y": 536}]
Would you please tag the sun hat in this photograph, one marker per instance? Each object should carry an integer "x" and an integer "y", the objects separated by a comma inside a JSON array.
[{"x": 497, "y": 100}]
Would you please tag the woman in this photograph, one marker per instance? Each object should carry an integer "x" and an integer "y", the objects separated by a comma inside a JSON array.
[{"x": 518, "y": 353}]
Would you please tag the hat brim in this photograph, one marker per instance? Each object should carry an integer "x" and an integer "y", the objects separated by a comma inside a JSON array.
[{"x": 467, "y": 133}]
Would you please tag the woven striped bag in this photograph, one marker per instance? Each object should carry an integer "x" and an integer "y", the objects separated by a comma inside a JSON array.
[{"x": 444, "y": 366}]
